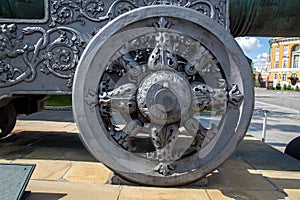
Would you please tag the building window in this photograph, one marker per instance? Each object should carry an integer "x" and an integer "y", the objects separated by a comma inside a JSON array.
[
  {"x": 275, "y": 76},
  {"x": 284, "y": 63},
  {"x": 284, "y": 77},
  {"x": 276, "y": 64},
  {"x": 285, "y": 51},
  {"x": 295, "y": 56},
  {"x": 295, "y": 61},
  {"x": 277, "y": 50}
]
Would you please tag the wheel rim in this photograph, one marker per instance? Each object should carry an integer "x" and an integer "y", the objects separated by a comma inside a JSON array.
[
  {"x": 7, "y": 120},
  {"x": 142, "y": 90}
]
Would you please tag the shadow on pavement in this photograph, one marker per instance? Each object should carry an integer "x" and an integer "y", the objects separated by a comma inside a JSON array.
[
  {"x": 50, "y": 115},
  {"x": 45, "y": 196},
  {"x": 43, "y": 146},
  {"x": 254, "y": 171}
]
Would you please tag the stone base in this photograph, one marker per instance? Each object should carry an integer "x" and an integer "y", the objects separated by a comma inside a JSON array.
[{"x": 117, "y": 180}]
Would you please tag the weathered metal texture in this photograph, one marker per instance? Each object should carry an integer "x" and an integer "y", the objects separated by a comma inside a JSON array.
[
  {"x": 247, "y": 17},
  {"x": 40, "y": 56},
  {"x": 33, "y": 9},
  {"x": 43, "y": 53},
  {"x": 162, "y": 95},
  {"x": 264, "y": 18},
  {"x": 8, "y": 119}
]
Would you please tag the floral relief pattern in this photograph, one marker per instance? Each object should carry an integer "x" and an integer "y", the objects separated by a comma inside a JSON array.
[
  {"x": 55, "y": 47},
  {"x": 159, "y": 85},
  {"x": 66, "y": 12},
  {"x": 57, "y": 56}
]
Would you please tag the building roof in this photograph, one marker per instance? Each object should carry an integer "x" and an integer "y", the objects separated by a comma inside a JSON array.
[{"x": 283, "y": 40}]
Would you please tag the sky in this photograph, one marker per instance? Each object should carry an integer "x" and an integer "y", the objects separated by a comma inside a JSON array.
[{"x": 256, "y": 48}]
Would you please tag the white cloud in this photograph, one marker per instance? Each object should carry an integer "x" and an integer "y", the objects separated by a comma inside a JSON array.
[
  {"x": 248, "y": 44},
  {"x": 260, "y": 60}
]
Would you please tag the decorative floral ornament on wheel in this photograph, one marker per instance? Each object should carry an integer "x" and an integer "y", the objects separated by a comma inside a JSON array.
[{"x": 162, "y": 95}]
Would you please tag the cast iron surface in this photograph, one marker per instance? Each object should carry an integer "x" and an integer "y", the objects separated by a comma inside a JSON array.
[
  {"x": 159, "y": 95},
  {"x": 40, "y": 56},
  {"x": 267, "y": 18},
  {"x": 8, "y": 119},
  {"x": 162, "y": 93}
]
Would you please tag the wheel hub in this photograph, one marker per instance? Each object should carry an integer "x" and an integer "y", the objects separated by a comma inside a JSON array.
[{"x": 164, "y": 97}]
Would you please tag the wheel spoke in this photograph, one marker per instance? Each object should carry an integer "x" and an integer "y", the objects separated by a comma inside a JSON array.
[
  {"x": 127, "y": 134},
  {"x": 121, "y": 99},
  {"x": 129, "y": 64},
  {"x": 206, "y": 97},
  {"x": 195, "y": 128},
  {"x": 164, "y": 139}
]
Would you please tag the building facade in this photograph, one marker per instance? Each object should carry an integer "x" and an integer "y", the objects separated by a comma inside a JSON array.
[{"x": 285, "y": 66}]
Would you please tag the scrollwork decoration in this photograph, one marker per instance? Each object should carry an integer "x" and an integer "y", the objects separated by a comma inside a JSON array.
[
  {"x": 221, "y": 13},
  {"x": 56, "y": 56},
  {"x": 65, "y": 12},
  {"x": 55, "y": 49},
  {"x": 235, "y": 96},
  {"x": 62, "y": 54},
  {"x": 7, "y": 72},
  {"x": 166, "y": 82},
  {"x": 11, "y": 46}
]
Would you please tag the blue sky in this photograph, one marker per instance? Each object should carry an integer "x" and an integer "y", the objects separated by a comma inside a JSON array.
[{"x": 256, "y": 48}]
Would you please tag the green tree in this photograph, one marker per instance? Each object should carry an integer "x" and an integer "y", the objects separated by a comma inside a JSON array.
[{"x": 278, "y": 86}]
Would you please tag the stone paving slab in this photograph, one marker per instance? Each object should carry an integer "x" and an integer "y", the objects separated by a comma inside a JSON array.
[
  {"x": 88, "y": 172},
  {"x": 65, "y": 170},
  {"x": 51, "y": 170},
  {"x": 51, "y": 190},
  {"x": 141, "y": 193}
]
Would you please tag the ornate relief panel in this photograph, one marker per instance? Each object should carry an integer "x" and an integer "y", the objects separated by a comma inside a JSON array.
[{"x": 55, "y": 47}]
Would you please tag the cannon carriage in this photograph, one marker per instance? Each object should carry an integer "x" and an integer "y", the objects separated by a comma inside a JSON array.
[{"x": 162, "y": 94}]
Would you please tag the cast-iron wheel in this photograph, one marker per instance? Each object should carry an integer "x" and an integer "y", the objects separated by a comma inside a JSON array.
[
  {"x": 162, "y": 95},
  {"x": 7, "y": 120}
]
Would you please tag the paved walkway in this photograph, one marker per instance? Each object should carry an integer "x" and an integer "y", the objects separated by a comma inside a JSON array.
[
  {"x": 65, "y": 170},
  {"x": 283, "y": 124}
]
